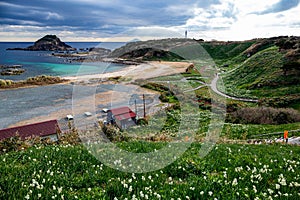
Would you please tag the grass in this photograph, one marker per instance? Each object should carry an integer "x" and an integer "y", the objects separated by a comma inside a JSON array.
[
  {"x": 260, "y": 76},
  {"x": 246, "y": 131},
  {"x": 228, "y": 172},
  {"x": 224, "y": 52}
]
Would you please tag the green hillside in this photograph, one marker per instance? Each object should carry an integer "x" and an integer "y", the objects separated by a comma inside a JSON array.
[
  {"x": 261, "y": 70},
  {"x": 270, "y": 71},
  {"x": 224, "y": 51}
]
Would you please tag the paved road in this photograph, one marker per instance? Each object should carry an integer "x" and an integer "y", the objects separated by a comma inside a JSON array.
[{"x": 214, "y": 87}]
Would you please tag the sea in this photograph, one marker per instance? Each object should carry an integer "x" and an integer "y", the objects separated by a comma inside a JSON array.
[
  {"x": 43, "y": 63},
  {"x": 17, "y": 105}
]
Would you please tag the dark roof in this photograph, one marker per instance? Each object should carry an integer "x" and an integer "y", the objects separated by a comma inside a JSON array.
[
  {"x": 122, "y": 113},
  {"x": 39, "y": 129}
]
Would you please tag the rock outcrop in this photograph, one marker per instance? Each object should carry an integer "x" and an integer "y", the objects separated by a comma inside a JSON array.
[
  {"x": 9, "y": 70},
  {"x": 47, "y": 43}
]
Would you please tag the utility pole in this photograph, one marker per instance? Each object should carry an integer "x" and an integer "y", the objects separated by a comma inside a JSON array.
[{"x": 144, "y": 105}]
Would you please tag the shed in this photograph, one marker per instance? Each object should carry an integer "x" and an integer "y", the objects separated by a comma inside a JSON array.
[
  {"x": 123, "y": 117},
  {"x": 47, "y": 129}
]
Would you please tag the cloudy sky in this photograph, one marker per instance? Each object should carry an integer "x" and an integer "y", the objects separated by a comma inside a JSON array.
[{"x": 124, "y": 20}]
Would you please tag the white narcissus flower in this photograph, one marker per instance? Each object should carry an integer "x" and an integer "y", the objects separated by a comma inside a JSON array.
[{"x": 234, "y": 182}]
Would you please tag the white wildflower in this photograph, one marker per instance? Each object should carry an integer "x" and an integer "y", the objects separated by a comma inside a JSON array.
[{"x": 234, "y": 182}]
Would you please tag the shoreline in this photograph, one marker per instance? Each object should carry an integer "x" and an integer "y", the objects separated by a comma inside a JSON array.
[
  {"x": 143, "y": 71},
  {"x": 150, "y": 69}
]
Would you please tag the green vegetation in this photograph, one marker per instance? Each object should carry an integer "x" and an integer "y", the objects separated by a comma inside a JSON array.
[
  {"x": 255, "y": 75},
  {"x": 270, "y": 72},
  {"x": 264, "y": 115},
  {"x": 228, "y": 172},
  {"x": 38, "y": 80},
  {"x": 223, "y": 52},
  {"x": 246, "y": 119}
]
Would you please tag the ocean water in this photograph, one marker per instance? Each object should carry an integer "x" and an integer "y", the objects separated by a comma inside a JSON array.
[
  {"x": 41, "y": 62},
  {"x": 26, "y": 103}
]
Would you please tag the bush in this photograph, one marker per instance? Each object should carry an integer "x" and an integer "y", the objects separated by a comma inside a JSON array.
[
  {"x": 264, "y": 115},
  {"x": 142, "y": 121},
  {"x": 2, "y": 82},
  {"x": 283, "y": 101},
  {"x": 113, "y": 133},
  {"x": 9, "y": 82}
]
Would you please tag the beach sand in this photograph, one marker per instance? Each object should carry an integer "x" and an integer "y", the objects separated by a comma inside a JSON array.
[{"x": 143, "y": 71}]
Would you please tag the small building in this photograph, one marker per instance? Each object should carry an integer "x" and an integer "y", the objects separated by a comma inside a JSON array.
[
  {"x": 123, "y": 117},
  {"x": 47, "y": 129}
]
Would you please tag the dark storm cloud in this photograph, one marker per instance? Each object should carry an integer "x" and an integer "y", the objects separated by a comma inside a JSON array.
[{"x": 112, "y": 16}]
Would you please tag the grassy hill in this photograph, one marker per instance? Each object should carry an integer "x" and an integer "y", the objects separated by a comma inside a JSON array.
[
  {"x": 270, "y": 70},
  {"x": 224, "y": 52}
]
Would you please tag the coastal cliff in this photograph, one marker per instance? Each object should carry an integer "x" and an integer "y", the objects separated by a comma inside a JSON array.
[{"x": 47, "y": 43}]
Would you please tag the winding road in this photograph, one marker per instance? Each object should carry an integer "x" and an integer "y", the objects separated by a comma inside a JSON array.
[{"x": 214, "y": 88}]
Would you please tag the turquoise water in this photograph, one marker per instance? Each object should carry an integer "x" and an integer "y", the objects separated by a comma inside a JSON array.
[
  {"x": 43, "y": 63},
  {"x": 75, "y": 69}
]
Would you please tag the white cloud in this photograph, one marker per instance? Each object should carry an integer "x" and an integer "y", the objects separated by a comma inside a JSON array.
[
  {"x": 53, "y": 15},
  {"x": 238, "y": 21}
]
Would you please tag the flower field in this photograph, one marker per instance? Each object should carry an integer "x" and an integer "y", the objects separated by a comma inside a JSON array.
[{"x": 229, "y": 171}]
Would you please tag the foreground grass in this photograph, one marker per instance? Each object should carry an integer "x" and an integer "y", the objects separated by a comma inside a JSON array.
[{"x": 228, "y": 172}]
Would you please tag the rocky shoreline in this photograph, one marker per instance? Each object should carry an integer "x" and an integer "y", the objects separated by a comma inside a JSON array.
[{"x": 10, "y": 70}]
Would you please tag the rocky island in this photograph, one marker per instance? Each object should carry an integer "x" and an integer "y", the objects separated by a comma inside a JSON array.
[{"x": 47, "y": 43}]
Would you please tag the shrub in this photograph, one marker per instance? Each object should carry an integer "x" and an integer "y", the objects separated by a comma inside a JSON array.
[
  {"x": 283, "y": 101},
  {"x": 113, "y": 133},
  {"x": 9, "y": 82},
  {"x": 70, "y": 137},
  {"x": 142, "y": 121},
  {"x": 2, "y": 82},
  {"x": 264, "y": 115}
]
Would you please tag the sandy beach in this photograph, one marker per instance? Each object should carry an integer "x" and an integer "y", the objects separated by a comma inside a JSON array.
[
  {"x": 143, "y": 71},
  {"x": 114, "y": 97}
]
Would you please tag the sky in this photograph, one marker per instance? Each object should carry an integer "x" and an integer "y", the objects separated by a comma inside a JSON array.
[{"x": 125, "y": 20}]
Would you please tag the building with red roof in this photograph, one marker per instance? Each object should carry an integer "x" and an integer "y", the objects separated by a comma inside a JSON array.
[
  {"x": 123, "y": 117},
  {"x": 47, "y": 129}
]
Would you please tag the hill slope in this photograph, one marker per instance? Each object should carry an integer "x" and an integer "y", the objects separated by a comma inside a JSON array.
[{"x": 271, "y": 70}]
